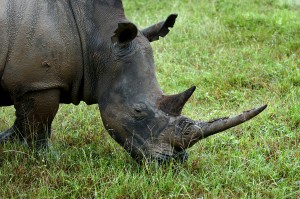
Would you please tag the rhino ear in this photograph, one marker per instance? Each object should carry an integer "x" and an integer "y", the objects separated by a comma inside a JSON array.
[
  {"x": 161, "y": 29},
  {"x": 125, "y": 33}
]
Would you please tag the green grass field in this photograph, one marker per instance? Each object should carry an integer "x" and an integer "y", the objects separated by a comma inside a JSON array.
[{"x": 240, "y": 55}]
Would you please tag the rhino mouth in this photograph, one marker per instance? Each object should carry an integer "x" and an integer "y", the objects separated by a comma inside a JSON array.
[
  {"x": 164, "y": 157},
  {"x": 180, "y": 156}
]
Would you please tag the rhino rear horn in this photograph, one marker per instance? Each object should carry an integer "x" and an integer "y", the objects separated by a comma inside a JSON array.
[
  {"x": 161, "y": 29},
  {"x": 173, "y": 104},
  {"x": 125, "y": 33}
]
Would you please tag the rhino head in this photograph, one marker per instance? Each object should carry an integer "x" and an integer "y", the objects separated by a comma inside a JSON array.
[{"x": 136, "y": 112}]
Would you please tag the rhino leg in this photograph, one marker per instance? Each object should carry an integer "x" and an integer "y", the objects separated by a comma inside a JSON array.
[{"x": 35, "y": 112}]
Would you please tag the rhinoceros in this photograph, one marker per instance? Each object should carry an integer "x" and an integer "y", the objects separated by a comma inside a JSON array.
[{"x": 68, "y": 51}]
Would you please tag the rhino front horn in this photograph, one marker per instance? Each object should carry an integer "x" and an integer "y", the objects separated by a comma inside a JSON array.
[
  {"x": 173, "y": 104},
  {"x": 193, "y": 131}
]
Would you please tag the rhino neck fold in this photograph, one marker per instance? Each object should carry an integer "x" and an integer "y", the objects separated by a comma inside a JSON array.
[{"x": 95, "y": 42}]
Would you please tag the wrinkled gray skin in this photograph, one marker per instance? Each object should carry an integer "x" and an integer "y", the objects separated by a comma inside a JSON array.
[{"x": 67, "y": 51}]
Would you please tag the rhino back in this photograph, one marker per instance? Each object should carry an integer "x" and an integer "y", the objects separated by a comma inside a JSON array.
[{"x": 40, "y": 48}]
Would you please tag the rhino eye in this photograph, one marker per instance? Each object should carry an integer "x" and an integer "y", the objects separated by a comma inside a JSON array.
[
  {"x": 139, "y": 111},
  {"x": 139, "y": 107}
]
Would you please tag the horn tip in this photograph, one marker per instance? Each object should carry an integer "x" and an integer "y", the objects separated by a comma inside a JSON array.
[
  {"x": 254, "y": 112},
  {"x": 174, "y": 15},
  {"x": 260, "y": 109},
  {"x": 192, "y": 89}
]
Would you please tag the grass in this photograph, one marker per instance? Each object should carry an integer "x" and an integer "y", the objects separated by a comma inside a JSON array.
[{"x": 239, "y": 54}]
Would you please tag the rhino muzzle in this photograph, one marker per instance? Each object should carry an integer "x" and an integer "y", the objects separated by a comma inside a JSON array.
[{"x": 183, "y": 133}]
